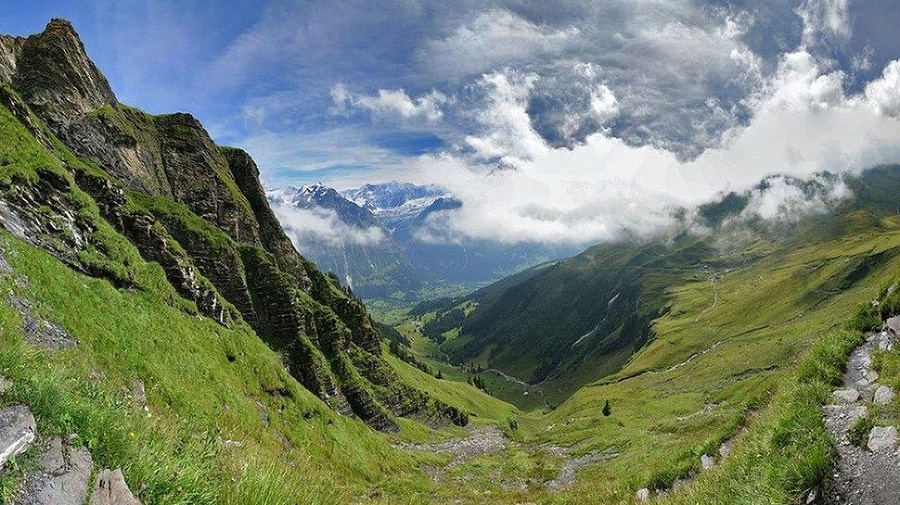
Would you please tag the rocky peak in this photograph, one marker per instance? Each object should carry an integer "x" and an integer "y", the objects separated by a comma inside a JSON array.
[{"x": 54, "y": 74}]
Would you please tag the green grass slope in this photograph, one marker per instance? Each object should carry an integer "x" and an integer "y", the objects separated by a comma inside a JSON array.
[{"x": 725, "y": 357}]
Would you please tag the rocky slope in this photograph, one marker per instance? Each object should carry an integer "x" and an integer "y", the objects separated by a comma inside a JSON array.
[{"x": 195, "y": 208}]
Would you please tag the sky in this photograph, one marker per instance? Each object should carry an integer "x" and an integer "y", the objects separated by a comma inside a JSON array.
[{"x": 564, "y": 121}]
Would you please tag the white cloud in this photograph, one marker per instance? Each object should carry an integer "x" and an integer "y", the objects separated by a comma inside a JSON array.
[
  {"x": 508, "y": 132},
  {"x": 884, "y": 93},
  {"x": 494, "y": 38},
  {"x": 784, "y": 199},
  {"x": 612, "y": 114},
  {"x": 824, "y": 18},
  {"x": 312, "y": 227},
  {"x": 392, "y": 102},
  {"x": 801, "y": 83},
  {"x": 802, "y": 124}
]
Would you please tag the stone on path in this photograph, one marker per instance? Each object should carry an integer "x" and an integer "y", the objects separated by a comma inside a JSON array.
[
  {"x": 882, "y": 439},
  {"x": 848, "y": 395},
  {"x": 112, "y": 490},
  {"x": 707, "y": 462},
  {"x": 856, "y": 413},
  {"x": 883, "y": 395},
  {"x": 5, "y": 384},
  {"x": 892, "y": 325},
  {"x": 643, "y": 495},
  {"x": 17, "y": 429},
  {"x": 62, "y": 476},
  {"x": 725, "y": 449}
]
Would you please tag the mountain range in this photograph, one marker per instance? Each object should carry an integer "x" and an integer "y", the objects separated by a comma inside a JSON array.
[{"x": 391, "y": 240}]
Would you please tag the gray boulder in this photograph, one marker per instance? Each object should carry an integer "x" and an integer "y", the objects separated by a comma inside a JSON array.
[
  {"x": 17, "y": 429},
  {"x": 882, "y": 439},
  {"x": 883, "y": 395},
  {"x": 112, "y": 490},
  {"x": 848, "y": 395},
  {"x": 642, "y": 495}
]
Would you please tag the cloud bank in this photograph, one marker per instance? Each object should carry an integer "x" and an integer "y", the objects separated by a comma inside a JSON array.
[
  {"x": 312, "y": 228},
  {"x": 802, "y": 123},
  {"x": 575, "y": 122}
]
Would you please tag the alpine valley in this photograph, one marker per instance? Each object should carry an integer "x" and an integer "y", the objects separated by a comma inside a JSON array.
[{"x": 170, "y": 333}]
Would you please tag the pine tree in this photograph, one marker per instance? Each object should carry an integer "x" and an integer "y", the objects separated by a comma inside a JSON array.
[{"x": 606, "y": 409}]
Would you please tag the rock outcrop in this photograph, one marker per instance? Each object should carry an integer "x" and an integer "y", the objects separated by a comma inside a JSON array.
[
  {"x": 10, "y": 52},
  {"x": 55, "y": 76}
]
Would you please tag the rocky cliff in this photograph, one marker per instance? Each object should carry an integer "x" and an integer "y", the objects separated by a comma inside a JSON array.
[{"x": 195, "y": 208}]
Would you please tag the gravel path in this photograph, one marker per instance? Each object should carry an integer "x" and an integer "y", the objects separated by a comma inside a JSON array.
[
  {"x": 490, "y": 440},
  {"x": 481, "y": 441},
  {"x": 862, "y": 477}
]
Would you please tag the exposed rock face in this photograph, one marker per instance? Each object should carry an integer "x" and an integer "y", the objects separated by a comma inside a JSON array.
[
  {"x": 200, "y": 179},
  {"x": 199, "y": 211},
  {"x": 46, "y": 334},
  {"x": 61, "y": 478},
  {"x": 10, "y": 50},
  {"x": 154, "y": 245},
  {"x": 246, "y": 175}
]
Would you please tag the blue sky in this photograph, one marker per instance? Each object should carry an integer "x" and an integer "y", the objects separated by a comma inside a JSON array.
[{"x": 581, "y": 114}]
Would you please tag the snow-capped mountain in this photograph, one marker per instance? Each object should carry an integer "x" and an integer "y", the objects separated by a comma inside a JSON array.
[
  {"x": 394, "y": 203},
  {"x": 385, "y": 238},
  {"x": 319, "y": 196},
  {"x": 344, "y": 238}
]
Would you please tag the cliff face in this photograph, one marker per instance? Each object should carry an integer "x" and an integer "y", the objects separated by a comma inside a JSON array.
[
  {"x": 10, "y": 51},
  {"x": 199, "y": 211}
]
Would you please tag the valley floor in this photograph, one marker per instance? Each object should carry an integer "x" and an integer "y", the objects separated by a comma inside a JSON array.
[{"x": 746, "y": 362}]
